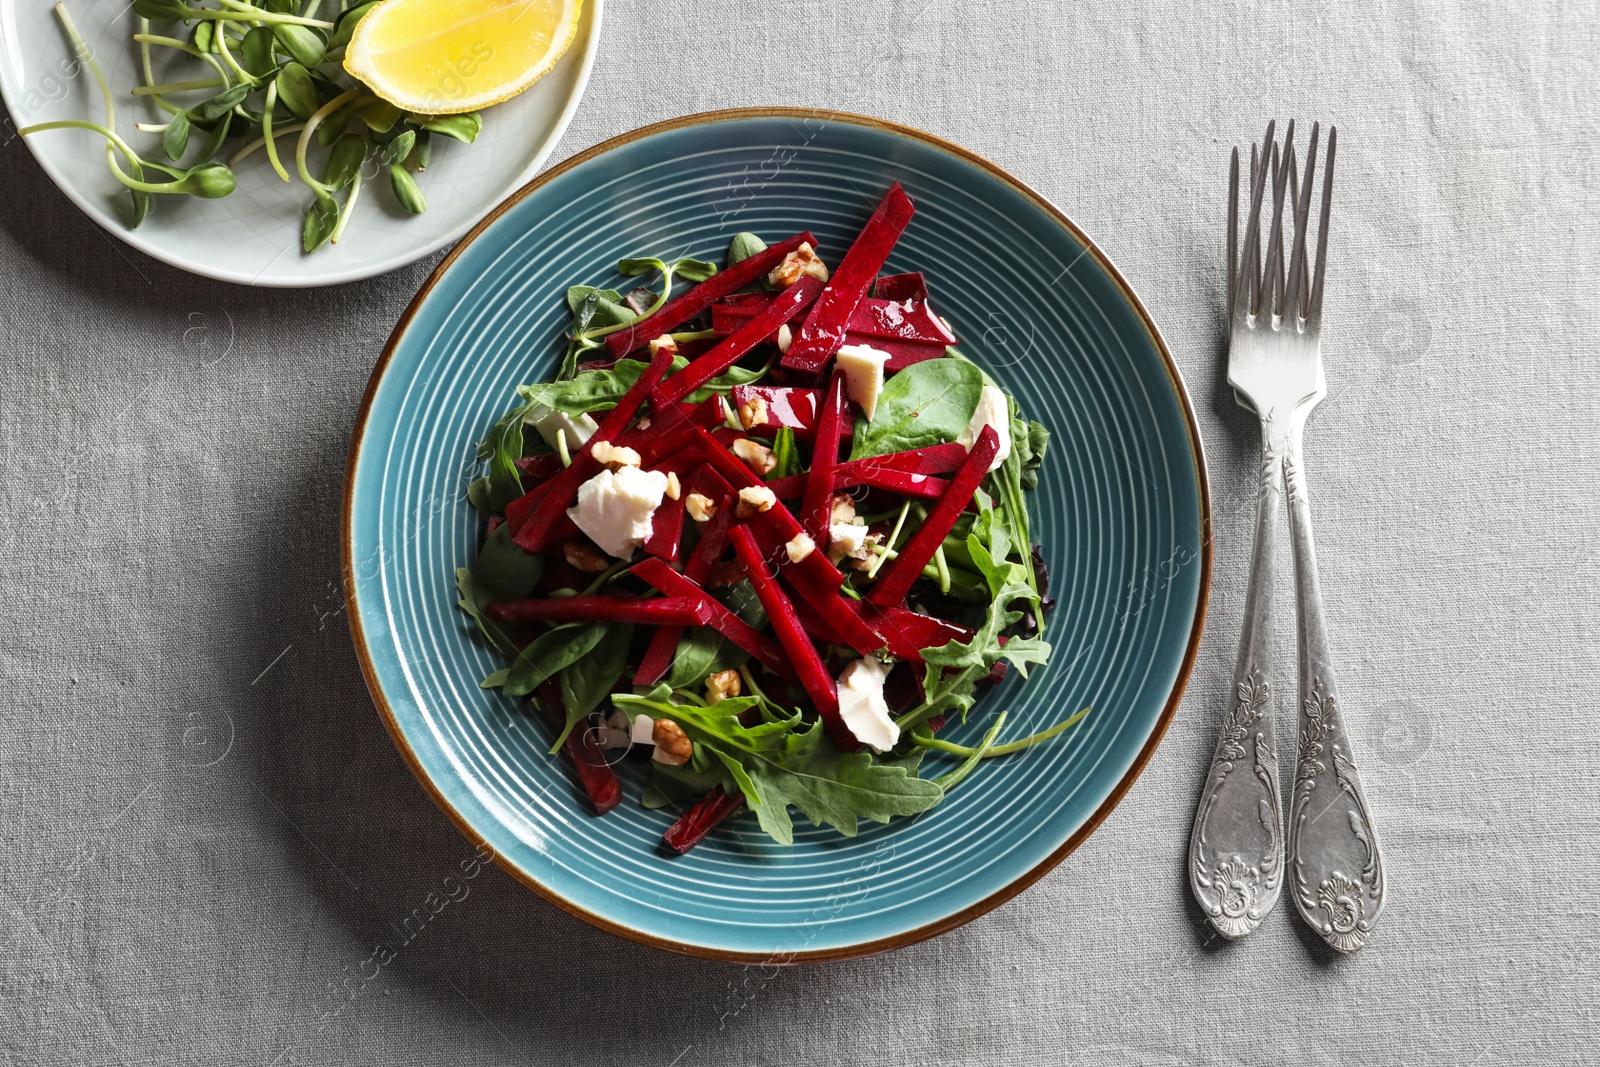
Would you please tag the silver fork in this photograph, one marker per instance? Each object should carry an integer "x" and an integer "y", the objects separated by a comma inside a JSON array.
[{"x": 1275, "y": 367}]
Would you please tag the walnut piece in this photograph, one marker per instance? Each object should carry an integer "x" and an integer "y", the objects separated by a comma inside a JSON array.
[
  {"x": 674, "y": 487},
  {"x": 757, "y": 456},
  {"x": 844, "y": 508},
  {"x": 581, "y": 557},
  {"x": 785, "y": 337},
  {"x": 800, "y": 546},
  {"x": 753, "y": 499},
  {"x": 753, "y": 412},
  {"x": 722, "y": 685},
  {"x": 673, "y": 746},
  {"x": 700, "y": 507},
  {"x": 614, "y": 456},
  {"x": 664, "y": 341},
  {"x": 802, "y": 262}
]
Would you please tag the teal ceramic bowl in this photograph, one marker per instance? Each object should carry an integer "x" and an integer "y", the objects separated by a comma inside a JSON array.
[{"x": 1122, "y": 511}]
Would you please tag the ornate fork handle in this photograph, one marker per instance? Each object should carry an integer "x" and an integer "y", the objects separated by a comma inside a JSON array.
[
  {"x": 1333, "y": 848},
  {"x": 1236, "y": 849}
]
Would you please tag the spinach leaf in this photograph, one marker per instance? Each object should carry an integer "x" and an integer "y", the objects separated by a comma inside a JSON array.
[
  {"x": 787, "y": 761},
  {"x": 502, "y": 448},
  {"x": 743, "y": 246},
  {"x": 588, "y": 681},
  {"x": 601, "y": 388},
  {"x": 928, "y": 403},
  {"x": 474, "y": 601},
  {"x": 608, "y": 307},
  {"x": 547, "y": 654},
  {"x": 696, "y": 654},
  {"x": 504, "y": 571}
]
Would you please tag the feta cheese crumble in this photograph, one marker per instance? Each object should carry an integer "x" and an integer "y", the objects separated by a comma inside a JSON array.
[
  {"x": 615, "y": 508},
  {"x": 993, "y": 410},
  {"x": 862, "y": 706},
  {"x": 863, "y": 375}
]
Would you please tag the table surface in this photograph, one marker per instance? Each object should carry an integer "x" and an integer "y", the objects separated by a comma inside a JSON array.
[{"x": 207, "y": 833}]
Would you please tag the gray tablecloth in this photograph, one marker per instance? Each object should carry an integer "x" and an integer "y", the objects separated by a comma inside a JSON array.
[{"x": 206, "y": 830}]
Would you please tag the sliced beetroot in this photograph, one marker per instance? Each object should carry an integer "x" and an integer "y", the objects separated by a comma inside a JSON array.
[
  {"x": 676, "y": 586},
  {"x": 817, "y": 504},
  {"x": 583, "y": 751},
  {"x": 908, "y": 286},
  {"x": 825, "y": 327},
  {"x": 808, "y": 666},
  {"x": 792, "y": 300},
  {"x": 896, "y": 578},
  {"x": 655, "y": 611},
  {"x": 926, "y": 486},
  {"x": 903, "y": 354},
  {"x": 781, "y": 406},
  {"x": 538, "y": 521},
  {"x": 705, "y": 815},
  {"x": 680, "y": 310},
  {"x": 909, "y": 320},
  {"x": 539, "y": 468},
  {"x": 666, "y": 529},
  {"x": 925, "y": 630},
  {"x": 657, "y": 658}
]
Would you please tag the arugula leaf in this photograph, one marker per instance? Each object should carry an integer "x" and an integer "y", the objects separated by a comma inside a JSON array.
[
  {"x": 673, "y": 785},
  {"x": 548, "y": 653},
  {"x": 502, "y": 448},
  {"x": 588, "y": 681},
  {"x": 928, "y": 403},
  {"x": 787, "y": 761}
]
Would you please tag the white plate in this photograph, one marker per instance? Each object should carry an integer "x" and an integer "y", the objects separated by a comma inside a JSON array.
[{"x": 253, "y": 236}]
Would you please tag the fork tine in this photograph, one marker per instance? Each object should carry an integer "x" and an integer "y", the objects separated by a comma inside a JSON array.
[
  {"x": 1322, "y": 227},
  {"x": 1250, "y": 279},
  {"x": 1233, "y": 226},
  {"x": 1299, "y": 288},
  {"x": 1273, "y": 282}
]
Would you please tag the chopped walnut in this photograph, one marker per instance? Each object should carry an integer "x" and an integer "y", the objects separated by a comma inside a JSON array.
[
  {"x": 844, "y": 508},
  {"x": 753, "y": 412},
  {"x": 757, "y": 456},
  {"x": 581, "y": 557},
  {"x": 785, "y": 337},
  {"x": 700, "y": 507},
  {"x": 722, "y": 685},
  {"x": 800, "y": 546},
  {"x": 644, "y": 423},
  {"x": 673, "y": 746},
  {"x": 802, "y": 262},
  {"x": 674, "y": 487},
  {"x": 754, "y": 498},
  {"x": 614, "y": 456},
  {"x": 664, "y": 341}
]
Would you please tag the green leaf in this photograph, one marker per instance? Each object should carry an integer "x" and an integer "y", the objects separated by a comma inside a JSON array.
[
  {"x": 504, "y": 570},
  {"x": 346, "y": 25},
  {"x": 209, "y": 111},
  {"x": 502, "y": 448},
  {"x": 694, "y": 270},
  {"x": 213, "y": 142},
  {"x": 321, "y": 217},
  {"x": 641, "y": 265},
  {"x": 204, "y": 37},
  {"x": 175, "y": 139},
  {"x": 258, "y": 52},
  {"x": 784, "y": 453},
  {"x": 605, "y": 307},
  {"x": 344, "y": 162},
  {"x": 160, "y": 10},
  {"x": 406, "y": 190},
  {"x": 297, "y": 91},
  {"x": 786, "y": 762},
  {"x": 588, "y": 681},
  {"x": 674, "y": 785},
  {"x": 422, "y": 154},
  {"x": 549, "y": 653},
  {"x": 464, "y": 128},
  {"x": 307, "y": 45},
  {"x": 398, "y": 149},
  {"x": 380, "y": 115},
  {"x": 928, "y": 403},
  {"x": 475, "y": 600},
  {"x": 743, "y": 246},
  {"x": 696, "y": 654}
]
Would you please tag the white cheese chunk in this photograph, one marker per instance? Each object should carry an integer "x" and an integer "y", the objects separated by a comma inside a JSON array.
[
  {"x": 862, "y": 706},
  {"x": 615, "y": 508},
  {"x": 863, "y": 375},
  {"x": 548, "y": 421},
  {"x": 993, "y": 410},
  {"x": 644, "y": 730}
]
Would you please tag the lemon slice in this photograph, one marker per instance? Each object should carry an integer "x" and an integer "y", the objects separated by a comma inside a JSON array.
[{"x": 442, "y": 57}]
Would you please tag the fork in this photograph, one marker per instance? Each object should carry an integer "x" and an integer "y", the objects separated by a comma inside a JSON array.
[{"x": 1275, "y": 367}]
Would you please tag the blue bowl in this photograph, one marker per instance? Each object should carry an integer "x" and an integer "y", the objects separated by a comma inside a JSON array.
[{"x": 1122, "y": 510}]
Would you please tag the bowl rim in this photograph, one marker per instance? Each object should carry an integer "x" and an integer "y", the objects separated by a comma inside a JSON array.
[
  {"x": 842, "y": 952},
  {"x": 142, "y": 242}
]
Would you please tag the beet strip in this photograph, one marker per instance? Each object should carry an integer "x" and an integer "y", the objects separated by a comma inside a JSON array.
[
  {"x": 793, "y": 299},
  {"x": 813, "y": 675},
  {"x": 783, "y": 406},
  {"x": 652, "y": 611},
  {"x": 895, "y": 580},
  {"x": 817, "y": 581},
  {"x": 707, "y": 813},
  {"x": 583, "y": 751},
  {"x": 908, "y": 286},
  {"x": 681, "y": 309},
  {"x": 829, "y": 320},
  {"x": 666, "y": 529},
  {"x": 922, "y": 485},
  {"x": 816, "y": 507},
  {"x": 657, "y": 659},
  {"x": 900, "y": 320},
  {"x": 677, "y": 587},
  {"x": 535, "y": 532}
]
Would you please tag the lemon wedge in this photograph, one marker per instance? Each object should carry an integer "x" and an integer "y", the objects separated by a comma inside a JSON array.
[{"x": 440, "y": 57}]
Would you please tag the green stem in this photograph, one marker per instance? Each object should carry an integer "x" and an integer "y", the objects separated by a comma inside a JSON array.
[
  {"x": 260, "y": 142},
  {"x": 143, "y": 37},
  {"x": 1000, "y": 750},
  {"x": 310, "y": 128},
  {"x": 949, "y": 781},
  {"x": 872, "y": 571},
  {"x": 233, "y": 64},
  {"x": 348, "y": 209},
  {"x": 120, "y": 145},
  {"x": 266, "y": 136},
  {"x": 180, "y": 87},
  {"x": 941, "y": 569},
  {"x": 246, "y": 13}
]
